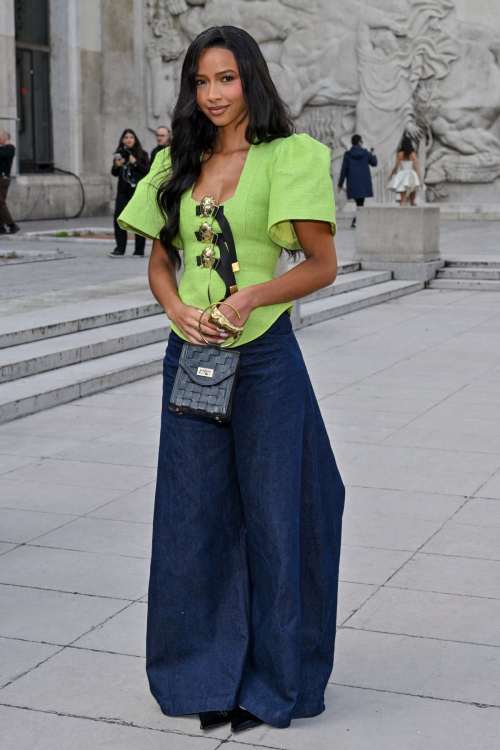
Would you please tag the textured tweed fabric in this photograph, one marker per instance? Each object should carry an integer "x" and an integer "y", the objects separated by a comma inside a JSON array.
[{"x": 285, "y": 180}]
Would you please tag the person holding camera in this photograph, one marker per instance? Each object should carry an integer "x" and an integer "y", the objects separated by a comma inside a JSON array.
[
  {"x": 356, "y": 170},
  {"x": 130, "y": 165}
]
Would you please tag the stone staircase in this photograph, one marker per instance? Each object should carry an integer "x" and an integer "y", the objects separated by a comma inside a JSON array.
[
  {"x": 479, "y": 276},
  {"x": 55, "y": 355}
]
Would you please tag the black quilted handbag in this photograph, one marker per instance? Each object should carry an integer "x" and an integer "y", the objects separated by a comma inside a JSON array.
[{"x": 206, "y": 381}]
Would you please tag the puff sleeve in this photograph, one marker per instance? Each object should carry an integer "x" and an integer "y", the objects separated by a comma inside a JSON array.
[
  {"x": 301, "y": 188},
  {"x": 141, "y": 215}
]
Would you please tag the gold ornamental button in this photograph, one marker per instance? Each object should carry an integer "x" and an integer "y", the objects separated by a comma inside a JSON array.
[
  {"x": 207, "y": 256},
  {"x": 206, "y": 231},
  {"x": 207, "y": 205}
]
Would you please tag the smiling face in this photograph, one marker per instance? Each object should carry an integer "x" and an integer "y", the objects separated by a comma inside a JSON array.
[
  {"x": 129, "y": 140},
  {"x": 219, "y": 89}
]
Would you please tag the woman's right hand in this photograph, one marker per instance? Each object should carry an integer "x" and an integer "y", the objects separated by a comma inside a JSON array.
[
  {"x": 119, "y": 162},
  {"x": 186, "y": 319}
]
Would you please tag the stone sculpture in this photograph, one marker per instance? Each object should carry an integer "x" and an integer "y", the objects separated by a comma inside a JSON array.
[
  {"x": 465, "y": 123},
  {"x": 346, "y": 67},
  {"x": 393, "y": 62},
  {"x": 163, "y": 49}
]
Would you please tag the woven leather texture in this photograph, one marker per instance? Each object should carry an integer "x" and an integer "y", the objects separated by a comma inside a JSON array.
[{"x": 206, "y": 396}]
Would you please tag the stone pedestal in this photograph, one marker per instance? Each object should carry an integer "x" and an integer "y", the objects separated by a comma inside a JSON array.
[
  {"x": 404, "y": 240},
  {"x": 44, "y": 196}
]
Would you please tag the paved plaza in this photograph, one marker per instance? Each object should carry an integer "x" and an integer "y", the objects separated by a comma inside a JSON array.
[{"x": 410, "y": 394}]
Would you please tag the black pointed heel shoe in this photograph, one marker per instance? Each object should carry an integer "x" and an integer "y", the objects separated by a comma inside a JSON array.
[
  {"x": 243, "y": 719},
  {"x": 209, "y": 719}
]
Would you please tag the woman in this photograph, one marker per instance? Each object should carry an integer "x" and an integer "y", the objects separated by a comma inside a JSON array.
[
  {"x": 405, "y": 178},
  {"x": 130, "y": 165},
  {"x": 356, "y": 170},
  {"x": 246, "y": 540}
]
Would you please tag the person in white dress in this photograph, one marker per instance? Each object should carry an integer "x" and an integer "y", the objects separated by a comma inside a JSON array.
[{"x": 405, "y": 178}]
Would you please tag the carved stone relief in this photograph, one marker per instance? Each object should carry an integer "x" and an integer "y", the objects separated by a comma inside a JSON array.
[
  {"x": 351, "y": 67},
  {"x": 164, "y": 48}
]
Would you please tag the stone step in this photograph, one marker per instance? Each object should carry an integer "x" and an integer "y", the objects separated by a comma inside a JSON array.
[
  {"x": 469, "y": 211},
  {"x": 350, "y": 282},
  {"x": 24, "y": 360},
  {"x": 60, "y": 351},
  {"x": 348, "y": 267},
  {"x": 103, "y": 343},
  {"x": 332, "y": 307},
  {"x": 36, "y": 325},
  {"x": 59, "y": 321},
  {"x": 470, "y": 272},
  {"x": 472, "y": 285},
  {"x": 38, "y": 392},
  {"x": 485, "y": 263}
]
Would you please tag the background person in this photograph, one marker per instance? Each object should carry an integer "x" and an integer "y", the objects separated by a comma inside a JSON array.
[
  {"x": 405, "y": 178},
  {"x": 7, "y": 153},
  {"x": 162, "y": 136},
  {"x": 356, "y": 170},
  {"x": 130, "y": 164}
]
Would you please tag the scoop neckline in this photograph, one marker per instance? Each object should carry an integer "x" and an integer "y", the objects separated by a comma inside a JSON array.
[{"x": 242, "y": 175}]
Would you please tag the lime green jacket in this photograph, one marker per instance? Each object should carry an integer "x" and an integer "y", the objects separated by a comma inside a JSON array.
[{"x": 284, "y": 180}]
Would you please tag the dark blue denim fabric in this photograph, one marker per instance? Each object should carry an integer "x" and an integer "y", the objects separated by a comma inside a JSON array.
[{"x": 246, "y": 545}]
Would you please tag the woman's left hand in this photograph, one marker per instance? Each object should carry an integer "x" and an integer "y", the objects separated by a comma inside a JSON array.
[{"x": 132, "y": 159}]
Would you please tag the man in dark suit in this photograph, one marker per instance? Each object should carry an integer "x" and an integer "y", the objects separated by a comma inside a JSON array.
[
  {"x": 162, "y": 136},
  {"x": 7, "y": 153},
  {"x": 356, "y": 170}
]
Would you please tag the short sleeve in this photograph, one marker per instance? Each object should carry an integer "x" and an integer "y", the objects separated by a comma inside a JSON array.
[
  {"x": 301, "y": 188},
  {"x": 141, "y": 215}
]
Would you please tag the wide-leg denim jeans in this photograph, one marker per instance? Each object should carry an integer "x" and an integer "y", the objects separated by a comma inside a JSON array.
[{"x": 246, "y": 545}]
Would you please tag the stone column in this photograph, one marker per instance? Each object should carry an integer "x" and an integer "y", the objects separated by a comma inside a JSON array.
[
  {"x": 404, "y": 240},
  {"x": 121, "y": 91},
  {"x": 65, "y": 85},
  {"x": 8, "y": 101}
]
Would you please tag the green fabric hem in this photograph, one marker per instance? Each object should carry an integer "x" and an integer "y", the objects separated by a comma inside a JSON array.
[
  {"x": 130, "y": 228},
  {"x": 294, "y": 245}
]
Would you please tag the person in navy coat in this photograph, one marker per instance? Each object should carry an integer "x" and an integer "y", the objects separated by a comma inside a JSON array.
[{"x": 356, "y": 170}]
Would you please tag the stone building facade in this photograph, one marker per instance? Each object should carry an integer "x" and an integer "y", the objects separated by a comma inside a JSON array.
[{"x": 76, "y": 72}]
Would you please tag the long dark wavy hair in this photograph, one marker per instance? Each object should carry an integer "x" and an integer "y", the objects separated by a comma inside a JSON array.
[
  {"x": 192, "y": 133},
  {"x": 407, "y": 146},
  {"x": 139, "y": 151}
]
